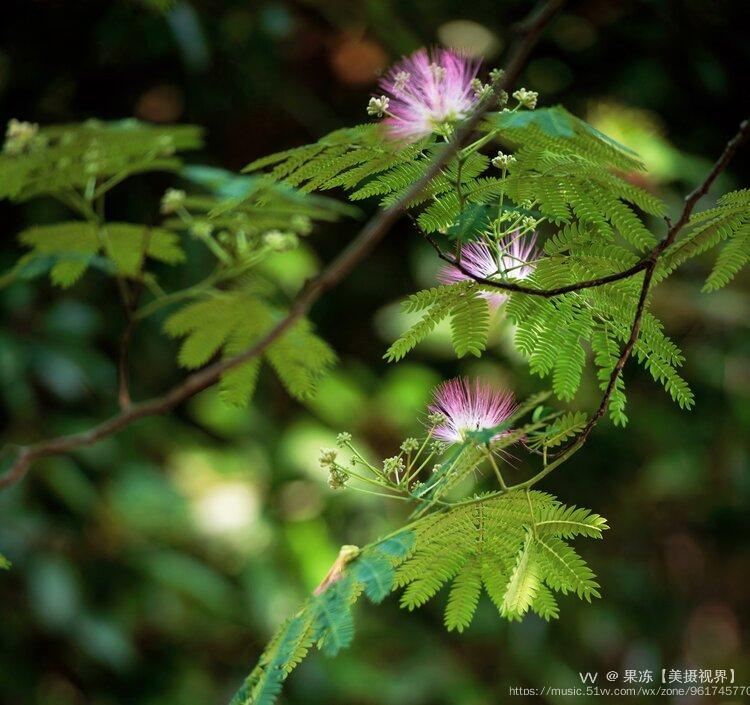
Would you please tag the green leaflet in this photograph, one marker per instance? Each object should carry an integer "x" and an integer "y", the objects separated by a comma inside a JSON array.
[
  {"x": 230, "y": 322},
  {"x": 65, "y": 157},
  {"x": 554, "y": 333},
  {"x": 728, "y": 221},
  {"x": 462, "y": 303},
  {"x": 71, "y": 247}
]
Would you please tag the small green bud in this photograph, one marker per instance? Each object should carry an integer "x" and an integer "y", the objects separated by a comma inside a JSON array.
[
  {"x": 409, "y": 445},
  {"x": 438, "y": 447},
  {"x": 496, "y": 75},
  {"x": 343, "y": 438},
  {"x": 301, "y": 224},
  {"x": 172, "y": 200},
  {"x": 201, "y": 229},
  {"x": 436, "y": 418},
  {"x": 393, "y": 465},
  {"x": 280, "y": 241}
]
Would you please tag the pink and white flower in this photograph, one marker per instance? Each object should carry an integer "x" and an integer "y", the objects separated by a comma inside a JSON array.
[
  {"x": 427, "y": 91},
  {"x": 466, "y": 407},
  {"x": 513, "y": 259}
]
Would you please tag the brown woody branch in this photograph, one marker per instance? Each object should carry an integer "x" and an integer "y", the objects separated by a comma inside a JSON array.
[{"x": 370, "y": 235}]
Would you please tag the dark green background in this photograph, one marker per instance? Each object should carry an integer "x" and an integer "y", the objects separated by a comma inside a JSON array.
[{"x": 152, "y": 567}]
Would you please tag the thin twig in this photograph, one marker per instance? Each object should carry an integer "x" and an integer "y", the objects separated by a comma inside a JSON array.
[{"x": 370, "y": 235}]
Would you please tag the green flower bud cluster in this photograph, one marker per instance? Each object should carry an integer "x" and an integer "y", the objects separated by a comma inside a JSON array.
[
  {"x": 409, "y": 445},
  {"x": 394, "y": 465},
  {"x": 343, "y": 439}
]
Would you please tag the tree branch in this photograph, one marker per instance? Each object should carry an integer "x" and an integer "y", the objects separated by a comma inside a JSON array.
[{"x": 370, "y": 235}]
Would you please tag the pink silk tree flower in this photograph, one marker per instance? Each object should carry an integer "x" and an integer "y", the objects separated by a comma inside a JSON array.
[
  {"x": 425, "y": 92},
  {"x": 514, "y": 260},
  {"x": 466, "y": 407}
]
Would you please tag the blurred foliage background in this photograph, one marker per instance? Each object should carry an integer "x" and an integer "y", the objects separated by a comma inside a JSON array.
[{"x": 152, "y": 567}]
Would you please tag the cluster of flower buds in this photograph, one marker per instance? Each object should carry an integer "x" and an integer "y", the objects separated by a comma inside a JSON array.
[
  {"x": 481, "y": 90},
  {"x": 409, "y": 445},
  {"x": 279, "y": 241},
  {"x": 337, "y": 475},
  {"x": 526, "y": 98},
  {"x": 436, "y": 417},
  {"x": 21, "y": 137},
  {"x": 343, "y": 439},
  {"x": 301, "y": 224},
  {"x": 528, "y": 223},
  {"x": 503, "y": 161},
  {"x": 438, "y": 447},
  {"x": 393, "y": 466},
  {"x": 201, "y": 229},
  {"x": 172, "y": 200},
  {"x": 377, "y": 107}
]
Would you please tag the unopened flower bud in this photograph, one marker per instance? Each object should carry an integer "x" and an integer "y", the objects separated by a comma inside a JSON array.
[
  {"x": 172, "y": 200},
  {"x": 343, "y": 438},
  {"x": 327, "y": 457},
  {"x": 503, "y": 161},
  {"x": 280, "y": 241},
  {"x": 337, "y": 477},
  {"x": 496, "y": 75},
  {"x": 201, "y": 229},
  {"x": 481, "y": 90},
  {"x": 436, "y": 418},
  {"x": 526, "y": 98},
  {"x": 409, "y": 445},
  {"x": 377, "y": 107},
  {"x": 301, "y": 224},
  {"x": 19, "y": 136},
  {"x": 393, "y": 465}
]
